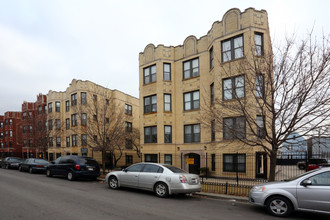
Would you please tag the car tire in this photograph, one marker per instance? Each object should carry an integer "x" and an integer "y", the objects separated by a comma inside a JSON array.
[
  {"x": 301, "y": 167},
  {"x": 113, "y": 182},
  {"x": 279, "y": 206},
  {"x": 48, "y": 173},
  {"x": 30, "y": 170},
  {"x": 7, "y": 166},
  {"x": 70, "y": 176},
  {"x": 161, "y": 190}
]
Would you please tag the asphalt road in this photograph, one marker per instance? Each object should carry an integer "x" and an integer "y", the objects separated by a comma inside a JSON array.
[{"x": 35, "y": 196}]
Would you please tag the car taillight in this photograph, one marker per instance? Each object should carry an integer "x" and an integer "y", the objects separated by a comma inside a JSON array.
[
  {"x": 77, "y": 166},
  {"x": 183, "y": 179},
  {"x": 40, "y": 166}
]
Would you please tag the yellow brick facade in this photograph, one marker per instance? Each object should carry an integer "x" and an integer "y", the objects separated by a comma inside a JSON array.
[
  {"x": 234, "y": 23},
  {"x": 92, "y": 91}
]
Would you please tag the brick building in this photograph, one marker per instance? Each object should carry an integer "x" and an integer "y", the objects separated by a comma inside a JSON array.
[{"x": 11, "y": 134}]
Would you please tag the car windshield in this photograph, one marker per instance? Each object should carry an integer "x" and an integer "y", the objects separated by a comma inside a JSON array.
[
  {"x": 87, "y": 161},
  {"x": 301, "y": 175},
  {"x": 174, "y": 169}
]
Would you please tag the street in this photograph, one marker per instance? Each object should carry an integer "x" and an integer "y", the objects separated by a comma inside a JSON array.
[{"x": 35, "y": 196}]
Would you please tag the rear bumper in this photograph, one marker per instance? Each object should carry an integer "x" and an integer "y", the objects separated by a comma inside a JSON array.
[
  {"x": 185, "y": 188},
  {"x": 86, "y": 174}
]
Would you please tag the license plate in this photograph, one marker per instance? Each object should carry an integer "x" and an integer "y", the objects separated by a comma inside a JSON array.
[
  {"x": 14, "y": 164},
  {"x": 90, "y": 168}
]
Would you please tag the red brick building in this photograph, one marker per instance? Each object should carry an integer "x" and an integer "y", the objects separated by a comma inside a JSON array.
[
  {"x": 34, "y": 132},
  {"x": 11, "y": 134}
]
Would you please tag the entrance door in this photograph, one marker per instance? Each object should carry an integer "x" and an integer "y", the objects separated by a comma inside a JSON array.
[
  {"x": 194, "y": 168},
  {"x": 261, "y": 165}
]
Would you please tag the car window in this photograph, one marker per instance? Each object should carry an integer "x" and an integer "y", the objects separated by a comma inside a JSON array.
[
  {"x": 135, "y": 168},
  {"x": 57, "y": 161},
  {"x": 175, "y": 169},
  {"x": 150, "y": 168},
  {"x": 16, "y": 160},
  {"x": 87, "y": 161},
  {"x": 40, "y": 161},
  {"x": 321, "y": 179}
]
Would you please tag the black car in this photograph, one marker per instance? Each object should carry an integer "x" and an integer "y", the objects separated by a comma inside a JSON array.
[
  {"x": 34, "y": 165},
  {"x": 74, "y": 167},
  {"x": 11, "y": 162}
]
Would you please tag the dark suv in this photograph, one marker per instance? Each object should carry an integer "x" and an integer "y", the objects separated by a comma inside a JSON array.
[{"x": 74, "y": 167}]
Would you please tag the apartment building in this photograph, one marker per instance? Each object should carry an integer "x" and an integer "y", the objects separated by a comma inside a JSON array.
[
  {"x": 80, "y": 119},
  {"x": 11, "y": 134},
  {"x": 178, "y": 84},
  {"x": 34, "y": 133}
]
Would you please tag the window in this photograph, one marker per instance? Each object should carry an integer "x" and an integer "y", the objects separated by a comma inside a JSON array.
[
  {"x": 212, "y": 93},
  {"x": 95, "y": 97},
  {"x": 1, "y": 134},
  {"x": 74, "y": 120},
  {"x": 135, "y": 168},
  {"x": 167, "y": 71},
  {"x": 74, "y": 140},
  {"x": 57, "y": 124},
  {"x": 50, "y": 124},
  {"x": 192, "y": 133},
  {"x": 11, "y": 144},
  {"x": 150, "y": 104},
  {"x": 107, "y": 101},
  {"x": 211, "y": 58},
  {"x": 23, "y": 116},
  {"x": 260, "y": 86},
  {"x": 1, "y": 124},
  {"x": 234, "y": 163},
  {"x": 84, "y": 140},
  {"x": 234, "y": 128},
  {"x": 67, "y": 106},
  {"x": 74, "y": 99},
  {"x": 67, "y": 123},
  {"x": 58, "y": 142},
  {"x": 149, "y": 74},
  {"x": 129, "y": 160},
  {"x": 128, "y": 126},
  {"x": 39, "y": 110},
  {"x": 233, "y": 88},
  {"x": 168, "y": 159},
  {"x": 150, "y": 158},
  {"x": 232, "y": 48},
  {"x": 57, "y": 106},
  {"x": 191, "y": 100},
  {"x": 50, "y": 142},
  {"x": 150, "y": 168},
  {"x": 167, "y": 103},
  {"x": 128, "y": 109},
  {"x": 213, "y": 130},
  {"x": 321, "y": 179},
  {"x": 128, "y": 144},
  {"x": 107, "y": 120},
  {"x": 11, "y": 132},
  {"x": 190, "y": 69},
  {"x": 50, "y": 107},
  {"x": 261, "y": 131},
  {"x": 67, "y": 141},
  {"x": 168, "y": 134},
  {"x": 83, "y": 98},
  {"x": 259, "y": 44},
  {"x": 212, "y": 162},
  {"x": 150, "y": 134},
  {"x": 39, "y": 126},
  {"x": 83, "y": 119}
]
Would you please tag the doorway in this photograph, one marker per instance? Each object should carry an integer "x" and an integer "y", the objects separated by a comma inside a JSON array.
[
  {"x": 194, "y": 168},
  {"x": 261, "y": 165}
]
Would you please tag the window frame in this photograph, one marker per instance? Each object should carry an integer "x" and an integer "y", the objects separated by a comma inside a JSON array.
[
  {"x": 233, "y": 88},
  {"x": 168, "y": 136},
  {"x": 234, "y": 132},
  {"x": 232, "y": 48},
  {"x": 152, "y": 76},
  {"x": 211, "y": 55},
  {"x": 167, "y": 73},
  {"x": 194, "y": 136},
  {"x": 261, "y": 46},
  {"x": 128, "y": 109},
  {"x": 261, "y": 130},
  {"x": 235, "y": 163},
  {"x": 83, "y": 98},
  {"x": 167, "y": 103},
  {"x": 152, "y": 137},
  {"x": 151, "y": 105},
  {"x": 260, "y": 86},
  {"x": 191, "y": 101},
  {"x": 74, "y": 99}
]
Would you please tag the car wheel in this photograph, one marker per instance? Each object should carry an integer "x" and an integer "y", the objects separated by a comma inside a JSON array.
[
  {"x": 113, "y": 182},
  {"x": 70, "y": 176},
  {"x": 301, "y": 167},
  {"x": 161, "y": 190},
  {"x": 48, "y": 173},
  {"x": 7, "y": 166},
  {"x": 279, "y": 206},
  {"x": 31, "y": 170}
]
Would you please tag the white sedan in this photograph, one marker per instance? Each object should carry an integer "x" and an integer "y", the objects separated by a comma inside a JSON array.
[{"x": 162, "y": 179}]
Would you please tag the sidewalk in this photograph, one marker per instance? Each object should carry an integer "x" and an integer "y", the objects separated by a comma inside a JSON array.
[{"x": 212, "y": 195}]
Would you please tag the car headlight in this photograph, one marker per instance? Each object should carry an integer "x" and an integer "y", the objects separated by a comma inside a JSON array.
[{"x": 258, "y": 188}]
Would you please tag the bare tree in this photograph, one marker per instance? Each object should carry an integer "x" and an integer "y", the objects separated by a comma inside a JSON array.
[{"x": 283, "y": 92}]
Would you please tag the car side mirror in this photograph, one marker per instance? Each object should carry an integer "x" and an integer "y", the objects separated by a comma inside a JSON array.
[
  {"x": 52, "y": 162},
  {"x": 306, "y": 183},
  {"x": 124, "y": 170}
]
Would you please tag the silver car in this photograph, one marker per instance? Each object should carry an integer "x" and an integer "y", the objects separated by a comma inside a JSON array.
[
  {"x": 162, "y": 179},
  {"x": 308, "y": 192}
]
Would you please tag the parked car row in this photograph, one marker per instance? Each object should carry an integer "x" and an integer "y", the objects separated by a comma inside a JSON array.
[{"x": 162, "y": 179}]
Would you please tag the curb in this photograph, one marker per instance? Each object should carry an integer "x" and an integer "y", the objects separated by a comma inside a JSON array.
[{"x": 213, "y": 195}]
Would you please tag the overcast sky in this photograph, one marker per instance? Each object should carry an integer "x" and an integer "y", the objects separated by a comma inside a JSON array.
[{"x": 44, "y": 44}]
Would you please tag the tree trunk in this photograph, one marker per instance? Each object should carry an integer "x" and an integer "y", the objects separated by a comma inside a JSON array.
[
  {"x": 272, "y": 169},
  {"x": 103, "y": 160}
]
